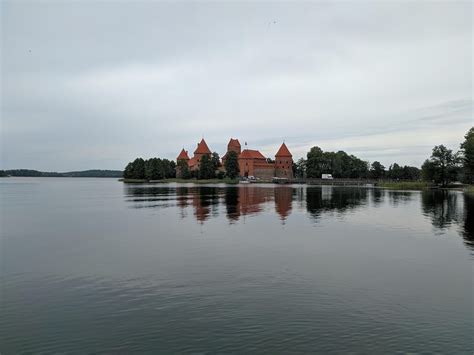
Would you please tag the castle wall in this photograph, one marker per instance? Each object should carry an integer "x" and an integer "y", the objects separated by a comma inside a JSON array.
[
  {"x": 284, "y": 173},
  {"x": 257, "y": 168},
  {"x": 264, "y": 173},
  {"x": 284, "y": 167}
]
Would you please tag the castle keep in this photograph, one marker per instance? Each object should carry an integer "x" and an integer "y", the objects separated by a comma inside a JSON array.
[{"x": 251, "y": 162}]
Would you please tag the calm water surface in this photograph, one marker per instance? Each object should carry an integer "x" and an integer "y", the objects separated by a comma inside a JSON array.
[{"x": 93, "y": 265}]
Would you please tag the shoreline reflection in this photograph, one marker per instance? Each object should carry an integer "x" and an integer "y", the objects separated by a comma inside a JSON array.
[
  {"x": 443, "y": 208},
  {"x": 447, "y": 208}
]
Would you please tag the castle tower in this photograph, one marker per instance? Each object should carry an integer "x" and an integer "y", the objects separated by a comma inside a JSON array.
[
  {"x": 232, "y": 146},
  {"x": 284, "y": 163},
  {"x": 201, "y": 150},
  {"x": 183, "y": 156}
]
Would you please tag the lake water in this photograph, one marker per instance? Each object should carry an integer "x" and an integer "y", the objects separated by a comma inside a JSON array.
[{"x": 94, "y": 265}]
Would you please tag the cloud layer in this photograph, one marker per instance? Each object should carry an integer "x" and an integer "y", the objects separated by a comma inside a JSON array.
[{"x": 93, "y": 85}]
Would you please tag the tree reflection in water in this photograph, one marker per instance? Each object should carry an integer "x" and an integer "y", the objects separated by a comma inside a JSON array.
[
  {"x": 443, "y": 208},
  {"x": 145, "y": 196},
  {"x": 231, "y": 203},
  {"x": 377, "y": 196},
  {"x": 397, "y": 198},
  {"x": 328, "y": 199},
  {"x": 468, "y": 230}
]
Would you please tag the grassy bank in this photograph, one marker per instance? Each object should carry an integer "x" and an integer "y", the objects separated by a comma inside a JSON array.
[
  {"x": 183, "y": 181},
  {"x": 405, "y": 185}
]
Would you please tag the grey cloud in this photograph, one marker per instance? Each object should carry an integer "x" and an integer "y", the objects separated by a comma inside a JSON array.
[{"x": 107, "y": 81}]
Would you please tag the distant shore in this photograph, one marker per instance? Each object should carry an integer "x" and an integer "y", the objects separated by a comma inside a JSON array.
[{"x": 95, "y": 173}]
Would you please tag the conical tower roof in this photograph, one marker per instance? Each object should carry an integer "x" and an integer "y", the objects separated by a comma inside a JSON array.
[
  {"x": 283, "y": 151},
  {"x": 202, "y": 148},
  {"x": 183, "y": 155}
]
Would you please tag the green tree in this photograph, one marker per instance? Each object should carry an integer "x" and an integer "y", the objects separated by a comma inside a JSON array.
[
  {"x": 327, "y": 162},
  {"x": 232, "y": 165},
  {"x": 206, "y": 168},
  {"x": 139, "y": 168},
  {"x": 340, "y": 164},
  {"x": 182, "y": 170},
  {"x": 128, "y": 172},
  {"x": 172, "y": 169},
  {"x": 411, "y": 173},
  {"x": 397, "y": 172},
  {"x": 154, "y": 169},
  {"x": 377, "y": 170},
  {"x": 300, "y": 171},
  {"x": 314, "y": 162},
  {"x": 216, "y": 161},
  {"x": 151, "y": 169},
  {"x": 341, "y": 160},
  {"x": 428, "y": 171},
  {"x": 467, "y": 149},
  {"x": 168, "y": 169},
  {"x": 135, "y": 169},
  {"x": 394, "y": 172},
  {"x": 443, "y": 165},
  {"x": 358, "y": 168}
]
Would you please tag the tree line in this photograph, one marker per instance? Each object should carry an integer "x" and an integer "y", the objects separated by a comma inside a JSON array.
[
  {"x": 344, "y": 166},
  {"x": 150, "y": 169},
  {"x": 85, "y": 173},
  {"x": 443, "y": 167},
  {"x": 158, "y": 169}
]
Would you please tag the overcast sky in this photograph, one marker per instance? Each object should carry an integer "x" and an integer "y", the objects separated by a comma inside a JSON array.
[{"x": 93, "y": 84}]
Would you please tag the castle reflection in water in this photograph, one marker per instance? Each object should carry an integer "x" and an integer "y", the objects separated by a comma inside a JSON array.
[{"x": 442, "y": 208}]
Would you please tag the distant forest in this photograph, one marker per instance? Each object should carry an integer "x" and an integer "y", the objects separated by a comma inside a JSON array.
[{"x": 85, "y": 173}]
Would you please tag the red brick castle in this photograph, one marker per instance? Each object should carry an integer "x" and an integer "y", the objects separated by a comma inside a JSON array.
[{"x": 251, "y": 162}]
